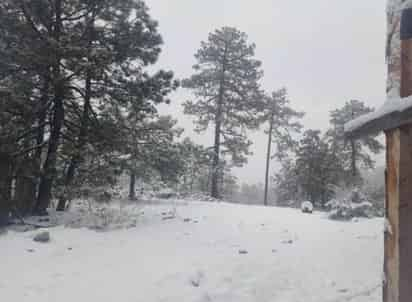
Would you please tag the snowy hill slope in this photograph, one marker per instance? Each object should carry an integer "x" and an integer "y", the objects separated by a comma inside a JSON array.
[{"x": 223, "y": 253}]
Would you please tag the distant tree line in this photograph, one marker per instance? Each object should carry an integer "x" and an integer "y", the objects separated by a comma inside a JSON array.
[
  {"x": 321, "y": 163},
  {"x": 78, "y": 107}
]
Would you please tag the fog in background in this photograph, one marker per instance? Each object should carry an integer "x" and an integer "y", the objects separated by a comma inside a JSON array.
[{"x": 325, "y": 52}]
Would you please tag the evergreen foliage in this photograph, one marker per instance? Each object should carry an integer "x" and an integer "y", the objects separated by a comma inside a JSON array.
[
  {"x": 227, "y": 95},
  {"x": 71, "y": 71}
]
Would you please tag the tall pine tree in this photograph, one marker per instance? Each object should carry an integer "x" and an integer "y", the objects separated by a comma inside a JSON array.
[
  {"x": 283, "y": 123},
  {"x": 227, "y": 95},
  {"x": 315, "y": 167},
  {"x": 69, "y": 67},
  {"x": 353, "y": 153}
]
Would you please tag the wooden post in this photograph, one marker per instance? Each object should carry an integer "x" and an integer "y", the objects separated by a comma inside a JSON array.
[{"x": 398, "y": 238}]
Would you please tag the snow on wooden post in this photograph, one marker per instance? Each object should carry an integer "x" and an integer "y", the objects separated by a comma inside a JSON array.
[
  {"x": 397, "y": 110},
  {"x": 395, "y": 119}
]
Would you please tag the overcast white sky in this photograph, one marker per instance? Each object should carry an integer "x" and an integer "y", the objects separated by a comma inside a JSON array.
[{"x": 324, "y": 51}]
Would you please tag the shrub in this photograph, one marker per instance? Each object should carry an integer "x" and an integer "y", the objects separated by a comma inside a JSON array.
[
  {"x": 350, "y": 204},
  {"x": 306, "y": 207}
]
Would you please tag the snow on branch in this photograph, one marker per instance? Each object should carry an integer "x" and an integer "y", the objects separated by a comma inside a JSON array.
[{"x": 394, "y": 113}]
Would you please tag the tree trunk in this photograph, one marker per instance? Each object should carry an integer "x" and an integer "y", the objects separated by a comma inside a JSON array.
[
  {"x": 37, "y": 157},
  {"x": 41, "y": 120},
  {"x": 192, "y": 179},
  {"x": 222, "y": 182},
  {"x": 25, "y": 187},
  {"x": 82, "y": 139},
  {"x": 49, "y": 173},
  {"x": 64, "y": 198},
  {"x": 5, "y": 189},
  {"x": 132, "y": 186},
  {"x": 268, "y": 154},
  {"x": 76, "y": 158},
  {"x": 216, "y": 155},
  {"x": 218, "y": 130},
  {"x": 354, "y": 170}
]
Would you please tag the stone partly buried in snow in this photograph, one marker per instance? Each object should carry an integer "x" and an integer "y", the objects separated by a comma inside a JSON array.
[{"x": 42, "y": 237}]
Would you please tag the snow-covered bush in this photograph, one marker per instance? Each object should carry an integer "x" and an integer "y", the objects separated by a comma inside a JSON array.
[
  {"x": 98, "y": 194},
  {"x": 199, "y": 196},
  {"x": 166, "y": 193},
  {"x": 374, "y": 188},
  {"x": 350, "y": 204},
  {"x": 294, "y": 204},
  {"x": 100, "y": 216},
  {"x": 306, "y": 207}
]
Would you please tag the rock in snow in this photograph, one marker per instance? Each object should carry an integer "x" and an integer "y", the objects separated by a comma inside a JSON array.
[
  {"x": 197, "y": 278},
  {"x": 42, "y": 237}
]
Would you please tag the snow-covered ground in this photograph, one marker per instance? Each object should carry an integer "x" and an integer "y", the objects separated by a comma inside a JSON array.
[{"x": 224, "y": 253}]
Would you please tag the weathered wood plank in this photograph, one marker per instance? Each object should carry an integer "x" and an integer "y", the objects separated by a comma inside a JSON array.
[
  {"x": 398, "y": 240},
  {"x": 392, "y": 261},
  {"x": 405, "y": 213}
]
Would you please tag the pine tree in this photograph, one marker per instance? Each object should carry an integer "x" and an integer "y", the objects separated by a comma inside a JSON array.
[
  {"x": 227, "y": 94},
  {"x": 287, "y": 183},
  {"x": 229, "y": 183},
  {"x": 116, "y": 79},
  {"x": 153, "y": 150},
  {"x": 282, "y": 120},
  {"x": 316, "y": 166},
  {"x": 22, "y": 102},
  {"x": 310, "y": 174},
  {"x": 197, "y": 162},
  {"x": 352, "y": 153},
  {"x": 80, "y": 64}
]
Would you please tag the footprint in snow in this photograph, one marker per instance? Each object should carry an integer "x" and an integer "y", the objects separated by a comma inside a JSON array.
[
  {"x": 197, "y": 278},
  {"x": 206, "y": 298}
]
